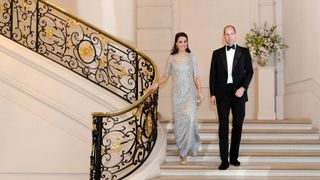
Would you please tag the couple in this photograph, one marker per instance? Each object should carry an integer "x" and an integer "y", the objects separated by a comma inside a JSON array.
[{"x": 230, "y": 75}]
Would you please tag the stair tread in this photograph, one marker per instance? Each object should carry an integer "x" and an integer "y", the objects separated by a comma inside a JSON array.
[
  {"x": 261, "y": 131},
  {"x": 251, "y": 121},
  {"x": 257, "y": 153},
  {"x": 259, "y": 141},
  {"x": 255, "y": 134},
  {"x": 244, "y": 166},
  {"x": 234, "y": 178}
]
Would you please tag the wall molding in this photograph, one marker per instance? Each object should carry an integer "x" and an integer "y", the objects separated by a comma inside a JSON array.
[{"x": 306, "y": 85}]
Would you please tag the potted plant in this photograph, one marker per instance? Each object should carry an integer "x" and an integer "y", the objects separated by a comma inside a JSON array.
[{"x": 264, "y": 41}]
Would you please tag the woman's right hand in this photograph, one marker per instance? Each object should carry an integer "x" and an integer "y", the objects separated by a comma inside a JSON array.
[{"x": 153, "y": 87}]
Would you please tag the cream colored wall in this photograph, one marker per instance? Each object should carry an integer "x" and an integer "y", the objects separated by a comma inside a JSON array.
[
  {"x": 302, "y": 75},
  {"x": 117, "y": 17},
  {"x": 203, "y": 21},
  {"x": 45, "y": 114}
]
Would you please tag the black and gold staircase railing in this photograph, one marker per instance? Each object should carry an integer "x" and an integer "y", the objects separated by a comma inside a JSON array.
[{"x": 124, "y": 139}]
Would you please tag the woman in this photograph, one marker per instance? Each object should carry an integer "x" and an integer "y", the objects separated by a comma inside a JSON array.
[{"x": 186, "y": 92}]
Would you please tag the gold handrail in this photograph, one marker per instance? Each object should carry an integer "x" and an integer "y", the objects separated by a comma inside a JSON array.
[{"x": 139, "y": 101}]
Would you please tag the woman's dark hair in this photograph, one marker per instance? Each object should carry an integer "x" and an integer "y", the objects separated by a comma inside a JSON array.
[{"x": 175, "y": 49}]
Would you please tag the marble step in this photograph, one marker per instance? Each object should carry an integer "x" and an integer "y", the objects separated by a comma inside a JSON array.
[
  {"x": 244, "y": 166},
  {"x": 246, "y": 169},
  {"x": 255, "y": 153},
  {"x": 262, "y": 144},
  {"x": 260, "y": 141},
  {"x": 235, "y": 178},
  {"x": 259, "y": 136},
  {"x": 247, "y": 159},
  {"x": 259, "y": 131},
  {"x": 251, "y": 121},
  {"x": 250, "y": 124},
  {"x": 252, "y": 156},
  {"x": 170, "y": 126}
]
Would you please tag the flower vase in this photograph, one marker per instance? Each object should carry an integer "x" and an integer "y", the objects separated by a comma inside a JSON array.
[{"x": 268, "y": 61}]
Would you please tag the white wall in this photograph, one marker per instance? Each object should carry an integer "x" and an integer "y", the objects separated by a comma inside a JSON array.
[
  {"x": 117, "y": 17},
  {"x": 45, "y": 114},
  {"x": 302, "y": 75},
  {"x": 158, "y": 22}
]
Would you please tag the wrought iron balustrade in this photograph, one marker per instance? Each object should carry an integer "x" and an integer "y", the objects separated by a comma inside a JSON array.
[
  {"x": 75, "y": 44},
  {"x": 122, "y": 140}
]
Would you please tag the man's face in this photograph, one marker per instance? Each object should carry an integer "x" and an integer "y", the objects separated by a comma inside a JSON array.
[{"x": 229, "y": 36}]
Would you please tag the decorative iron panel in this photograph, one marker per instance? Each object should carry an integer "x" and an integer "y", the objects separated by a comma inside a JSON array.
[
  {"x": 78, "y": 46},
  {"x": 122, "y": 143}
]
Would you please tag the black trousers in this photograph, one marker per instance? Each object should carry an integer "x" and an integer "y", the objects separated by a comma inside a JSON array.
[{"x": 238, "y": 112}]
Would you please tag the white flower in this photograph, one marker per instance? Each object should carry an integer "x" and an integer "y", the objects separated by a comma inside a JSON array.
[{"x": 262, "y": 42}]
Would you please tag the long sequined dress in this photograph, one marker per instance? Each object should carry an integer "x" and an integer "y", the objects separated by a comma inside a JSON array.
[{"x": 184, "y": 95}]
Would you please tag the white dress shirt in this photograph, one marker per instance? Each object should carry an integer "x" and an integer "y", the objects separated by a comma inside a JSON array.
[{"x": 230, "y": 56}]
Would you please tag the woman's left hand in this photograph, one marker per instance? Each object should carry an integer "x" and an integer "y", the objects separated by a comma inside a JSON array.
[{"x": 200, "y": 97}]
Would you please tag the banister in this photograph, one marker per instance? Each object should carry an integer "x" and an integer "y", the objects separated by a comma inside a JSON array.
[{"x": 129, "y": 133}]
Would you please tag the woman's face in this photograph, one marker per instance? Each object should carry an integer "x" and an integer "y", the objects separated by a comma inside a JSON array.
[{"x": 182, "y": 43}]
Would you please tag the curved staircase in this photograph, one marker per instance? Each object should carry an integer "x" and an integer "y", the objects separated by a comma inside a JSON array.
[{"x": 270, "y": 149}]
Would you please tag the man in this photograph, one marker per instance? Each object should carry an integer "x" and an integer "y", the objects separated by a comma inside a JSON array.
[{"x": 230, "y": 76}]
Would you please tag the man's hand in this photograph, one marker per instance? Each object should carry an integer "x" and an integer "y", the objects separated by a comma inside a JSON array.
[
  {"x": 240, "y": 91},
  {"x": 213, "y": 100}
]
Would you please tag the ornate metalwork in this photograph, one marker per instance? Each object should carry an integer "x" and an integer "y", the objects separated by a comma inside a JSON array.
[
  {"x": 123, "y": 142},
  {"x": 78, "y": 46}
]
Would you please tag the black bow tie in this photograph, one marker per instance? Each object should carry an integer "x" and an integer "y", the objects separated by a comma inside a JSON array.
[{"x": 229, "y": 47}]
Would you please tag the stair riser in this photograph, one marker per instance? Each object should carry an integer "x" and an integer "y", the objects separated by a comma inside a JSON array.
[
  {"x": 214, "y": 136},
  {"x": 238, "y": 173},
  {"x": 275, "y": 147},
  {"x": 251, "y": 126},
  {"x": 216, "y": 159}
]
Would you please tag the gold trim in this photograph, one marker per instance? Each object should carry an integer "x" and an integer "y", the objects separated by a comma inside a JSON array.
[
  {"x": 69, "y": 44},
  {"x": 117, "y": 145},
  {"x": 102, "y": 61},
  {"x": 139, "y": 136},
  {"x": 50, "y": 33},
  {"x": 124, "y": 73},
  {"x": 25, "y": 5},
  {"x": 138, "y": 102},
  {"x": 149, "y": 125},
  {"x": 86, "y": 51}
]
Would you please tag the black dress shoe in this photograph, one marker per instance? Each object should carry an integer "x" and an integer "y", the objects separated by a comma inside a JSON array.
[
  {"x": 224, "y": 166},
  {"x": 235, "y": 163}
]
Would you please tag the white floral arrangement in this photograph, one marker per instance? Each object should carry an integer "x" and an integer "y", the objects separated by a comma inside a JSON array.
[{"x": 264, "y": 41}]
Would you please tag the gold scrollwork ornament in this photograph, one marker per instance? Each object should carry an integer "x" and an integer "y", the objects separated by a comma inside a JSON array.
[
  {"x": 149, "y": 125},
  {"x": 117, "y": 145},
  {"x": 49, "y": 33}
]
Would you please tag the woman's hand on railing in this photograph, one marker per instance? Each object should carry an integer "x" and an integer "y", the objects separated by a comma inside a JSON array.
[{"x": 153, "y": 87}]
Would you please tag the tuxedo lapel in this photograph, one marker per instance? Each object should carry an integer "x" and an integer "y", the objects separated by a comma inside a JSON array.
[
  {"x": 236, "y": 57},
  {"x": 224, "y": 58}
]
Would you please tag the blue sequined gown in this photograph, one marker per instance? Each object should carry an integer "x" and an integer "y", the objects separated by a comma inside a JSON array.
[{"x": 184, "y": 95}]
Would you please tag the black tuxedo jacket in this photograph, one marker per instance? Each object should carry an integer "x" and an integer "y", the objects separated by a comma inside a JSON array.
[{"x": 242, "y": 72}]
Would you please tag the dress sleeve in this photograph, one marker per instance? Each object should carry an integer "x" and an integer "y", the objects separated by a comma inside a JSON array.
[
  {"x": 168, "y": 69},
  {"x": 195, "y": 66}
]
